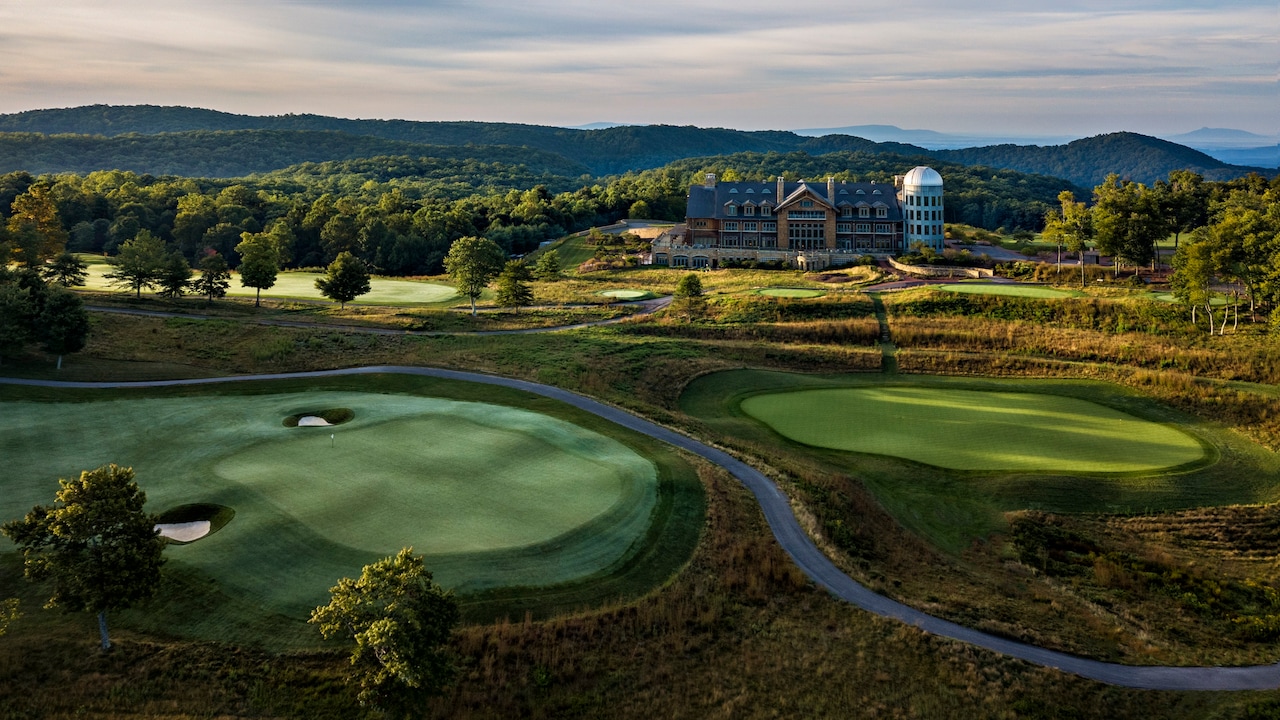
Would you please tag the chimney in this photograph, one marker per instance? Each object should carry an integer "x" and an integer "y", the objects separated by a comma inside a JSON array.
[
  {"x": 782, "y": 190},
  {"x": 831, "y": 190},
  {"x": 710, "y": 180}
]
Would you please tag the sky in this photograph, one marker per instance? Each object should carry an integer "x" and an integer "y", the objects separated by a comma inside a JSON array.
[{"x": 993, "y": 67}]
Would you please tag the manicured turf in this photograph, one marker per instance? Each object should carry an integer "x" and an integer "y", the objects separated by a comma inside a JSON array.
[
  {"x": 975, "y": 430},
  {"x": 495, "y": 496},
  {"x": 1216, "y": 300},
  {"x": 1031, "y": 291},
  {"x": 953, "y": 508},
  {"x": 791, "y": 292},
  {"x": 302, "y": 286},
  {"x": 628, "y": 294}
]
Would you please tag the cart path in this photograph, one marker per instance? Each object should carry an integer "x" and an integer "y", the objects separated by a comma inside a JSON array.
[
  {"x": 646, "y": 307},
  {"x": 792, "y": 538}
]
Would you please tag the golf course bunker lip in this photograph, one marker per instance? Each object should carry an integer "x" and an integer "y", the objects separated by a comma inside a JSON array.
[
  {"x": 786, "y": 292},
  {"x": 320, "y": 418},
  {"x": 977, "y": 430},
  {"x": 189, "y": 523}
]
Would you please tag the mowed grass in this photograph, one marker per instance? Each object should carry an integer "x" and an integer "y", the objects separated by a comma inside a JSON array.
[
  {"x": 302, "y": 286},
  {"x": 785, "y": 292},
  {"x": 1011, "y": 290},
  {"x": 629, "y": 295},
  {"x": 952, "y": 508},
  {"x": 494, "y": 496},
  {"x": 976, "y": 430}
]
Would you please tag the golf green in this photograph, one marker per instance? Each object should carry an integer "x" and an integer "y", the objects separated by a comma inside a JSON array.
[
  {"x": 1031, "y": 291},
  {"x": 495, "y": 496},
  {"x": 628, "y": 294},
  {"x": 784, "y": 292},
  {"x": 302, "y": 286},
  {"x": 975, "y": 430}
]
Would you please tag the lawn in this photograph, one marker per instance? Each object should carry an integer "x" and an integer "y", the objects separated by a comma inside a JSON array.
[
  {"x": 302, "y": 286},
  {"x": 786, "y": 292},
  {"x": 975, "y": 430},
  {"x": 1031, "y": 291},
  {"x": 628, "y": 295},
  {"x": 904, "y": 438},
  {"x": 495, "y": 496}
]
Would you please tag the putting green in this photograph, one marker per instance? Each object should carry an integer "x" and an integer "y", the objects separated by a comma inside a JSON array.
[
  {"x": 1216, "y": 300},
  {"x": 791, "y": 292},
  {"x": 1031, "y": 291},
  {"x": 495, "y": 496},
  {"x": 628, "y": 294},
  {"x": 975, "y": 430},
  {"x": 302, "y": 286}
]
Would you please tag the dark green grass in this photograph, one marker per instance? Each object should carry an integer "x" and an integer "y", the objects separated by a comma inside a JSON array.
[
  {"x": 952, "y": 507},
  {"x": 243, "y": 584}
]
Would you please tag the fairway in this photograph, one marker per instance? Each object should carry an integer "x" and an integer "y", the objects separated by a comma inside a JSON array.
[
  {"x": 791, "y": 292},
  {"x": 974, "y": 430},
  {"x": 302, "y": 286},
  {"x": 1030, "y": 291},
  {"x": 494, "y": 496}
]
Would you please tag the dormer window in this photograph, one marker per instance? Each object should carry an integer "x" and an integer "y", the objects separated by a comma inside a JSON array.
[
  {"x": 882, "y": 212},
  {"x": 748, "y": 210},
  {"x": 846, "y": 211},
  {"x": 864, "y": 212},
  {"x": 730, "y": 209},
  {"x": 876, "y": 192},
  {"x": 766, "y": 211},
  {"x": 862, "y": 192}
]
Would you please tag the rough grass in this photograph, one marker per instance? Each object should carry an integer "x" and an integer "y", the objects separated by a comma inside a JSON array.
[
  {"x": 395, "y": 482},
  {"x": 976, "y": 430},
  {"x": 785, "y": 292},
  {"x": 1030, "y": 291}
]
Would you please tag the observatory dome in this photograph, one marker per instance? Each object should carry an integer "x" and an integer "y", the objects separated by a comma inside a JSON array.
[{"x": 923, "y": 177}]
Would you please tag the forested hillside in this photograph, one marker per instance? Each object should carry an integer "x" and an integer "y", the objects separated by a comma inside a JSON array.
[
  {"x": 610, "y": 151},
  {"x": 1088, "y": 161}
]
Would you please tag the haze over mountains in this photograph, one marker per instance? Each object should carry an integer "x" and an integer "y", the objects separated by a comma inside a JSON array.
[{"x": 199, "y": 142}]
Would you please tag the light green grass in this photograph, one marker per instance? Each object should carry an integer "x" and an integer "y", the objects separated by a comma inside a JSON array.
[
  {"x": 1031, "y": 291},
  {"x": 786, "y": 292},
  {"x": 976, "y": 430},
  {"x": 1216, "y": 300},
  {"x": 302, "y": 286},
  {"x": 494, "y": 496},
  {"x": 953, "y": 508},
  {"x": 628, "y": 294}
]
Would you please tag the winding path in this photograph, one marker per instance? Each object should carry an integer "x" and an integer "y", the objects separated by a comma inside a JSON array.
[{"x": 796, "y": 543}]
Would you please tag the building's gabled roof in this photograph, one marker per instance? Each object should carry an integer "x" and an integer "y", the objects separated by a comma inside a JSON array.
[{"x": 709, "y": 202}]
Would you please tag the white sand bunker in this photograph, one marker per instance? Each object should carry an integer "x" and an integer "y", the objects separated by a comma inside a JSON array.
[
  {"x": 184, "y": 531},
  {"x": 312, "y": 421}
]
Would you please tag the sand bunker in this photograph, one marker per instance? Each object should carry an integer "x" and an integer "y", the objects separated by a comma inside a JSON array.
[
  {"x": 312, "y": 421},
  {"x": 185, "y": 531}
]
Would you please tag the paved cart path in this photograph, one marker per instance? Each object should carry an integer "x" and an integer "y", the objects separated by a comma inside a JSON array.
[{"x": 796, "y": 543}]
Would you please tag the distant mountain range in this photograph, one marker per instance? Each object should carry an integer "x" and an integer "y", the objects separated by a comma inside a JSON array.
[
  {"x": 1229, "y": 146},
  {"x": 198, "y": 142}
]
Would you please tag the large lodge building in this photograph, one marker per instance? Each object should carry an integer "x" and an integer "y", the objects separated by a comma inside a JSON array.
[{"x": 807, "y": 225}]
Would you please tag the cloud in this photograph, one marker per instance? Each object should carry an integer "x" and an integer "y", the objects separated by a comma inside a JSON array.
[{"x": 958, "y": 66}]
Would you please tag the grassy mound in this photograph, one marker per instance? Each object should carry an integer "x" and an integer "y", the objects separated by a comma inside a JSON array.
[
  {"x": 518, "y": 510},
  {"x": 333, "y": 416},
  {"x": 1030, "y": 291},
  {"x": 976, "y": 430},
  {"x": 785, "y": 292}
]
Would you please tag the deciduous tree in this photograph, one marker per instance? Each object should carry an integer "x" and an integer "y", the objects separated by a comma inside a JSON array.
[
  {"x": 471, "y": 263},
  {"x": 66, "y": 270},
  {"x": 139, "y": 264},
  {"x": 175, "y": 276},
  {"x": 96, "y": 545},
  {"x": 346, "y": 279},
  {"x": 548, "y": 267},
  {"x": 215, "y": 277},
  {"x": 400, "y": 621},
  {"x": 259, "y": 263},
  {"x": 34, "y": 226},
  {"x": 63, "y": 325}
]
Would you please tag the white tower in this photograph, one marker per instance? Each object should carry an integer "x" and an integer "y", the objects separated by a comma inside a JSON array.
[{"x": 922, "y": 207}]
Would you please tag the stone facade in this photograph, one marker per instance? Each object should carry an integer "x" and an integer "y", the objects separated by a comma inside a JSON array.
[{"x": 802, "y": 224}]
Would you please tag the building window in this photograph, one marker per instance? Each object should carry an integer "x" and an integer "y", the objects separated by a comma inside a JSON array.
[
  {"x": 862, "y": 227},
  {"x": 864, "y": 212},
  {"x": 846, "y": 212},
  {"x": 731, "y": 227},
  {"x": 730, "y": 209},
  {"x": 769, "y": 227},
  {"x": 807, "y": 215},
  {"x": 882, "y": 212},
  {"x": 844, "y": 227},
  {"x": 766, "y": 211},
  {"x": 882, "y": 228},
  {"x": 748, "y": 210},
  {"x": 806, "y": 203},
  {"x": 749, "y": 227}
]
